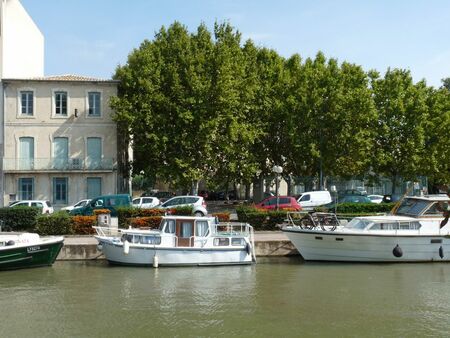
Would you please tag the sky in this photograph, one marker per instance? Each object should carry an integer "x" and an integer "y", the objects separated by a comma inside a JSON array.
[{"x": 93, "y": 37}]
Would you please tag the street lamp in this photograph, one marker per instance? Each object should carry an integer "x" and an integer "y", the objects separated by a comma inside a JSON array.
[{"x": 277, "y": 170}]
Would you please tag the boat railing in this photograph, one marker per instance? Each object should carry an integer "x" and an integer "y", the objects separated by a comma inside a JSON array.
[
  {"x": 313, "y": 220},
  {"x": 106, "y": 231},
  {"x": 232, "y": 229}
]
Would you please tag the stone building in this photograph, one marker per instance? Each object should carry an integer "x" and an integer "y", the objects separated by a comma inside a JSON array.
[{"x": 57, "y": 138}]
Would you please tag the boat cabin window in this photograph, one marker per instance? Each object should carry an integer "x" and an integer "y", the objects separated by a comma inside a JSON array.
[
  {"x": 186, "y": 229},
  {"x": 168, "y": 226},
  {"x": 237, "y": 241},
  {"x": 221, "y": 241},
  {"x": 412, "y": 207},
  {"x": 145, "y": 239},
  {"x": 201, "y": 229},
  {"x": 358, "y": 223},
  {"x": 433, "y": 210},
  {"x": 396, "y": 226}
]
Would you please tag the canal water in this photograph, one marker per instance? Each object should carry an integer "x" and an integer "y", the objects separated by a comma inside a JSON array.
[{"x": 275, "y": 298}]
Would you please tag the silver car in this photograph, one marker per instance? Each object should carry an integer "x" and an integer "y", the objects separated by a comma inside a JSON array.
[{"x": 197, "y": 202}]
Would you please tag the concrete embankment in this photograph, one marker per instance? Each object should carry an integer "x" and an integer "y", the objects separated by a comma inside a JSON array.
[{"x": 268, "y": 244}]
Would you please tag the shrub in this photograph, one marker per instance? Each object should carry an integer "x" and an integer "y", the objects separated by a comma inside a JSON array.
[
  {"x": 58, "y": 223},
  {"x": 101, "y": 211},
  {"x": 82, "y": 225},
  {"x": 261, "y": 219},
  {"x": 181, "y": 211},
  {"x": 145, "y": 222},
  {"x": 19, "y": 218},
  {"x": 360, "y": 208}
]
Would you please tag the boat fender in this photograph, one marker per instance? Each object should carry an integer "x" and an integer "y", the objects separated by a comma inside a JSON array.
[
  {"x": 155, "y": 261},
  {"x": 248, "y": 248},
  {"x": 10, "y": 242},
  {"x": 441, "y": 252},
  {"x": 126, "y": 247},
  {"x": 99, "y": 247},
  {"x": 397, "y": 252}
]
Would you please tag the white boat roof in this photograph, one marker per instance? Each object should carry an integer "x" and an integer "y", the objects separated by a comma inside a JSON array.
[
  {"x": 198, "y": 218},
  {"x": 384, "y": 218},
  {"x": 432, "y": 198}
]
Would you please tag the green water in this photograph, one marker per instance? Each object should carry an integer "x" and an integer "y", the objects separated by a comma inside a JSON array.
[{"x": 275, "y": 298}]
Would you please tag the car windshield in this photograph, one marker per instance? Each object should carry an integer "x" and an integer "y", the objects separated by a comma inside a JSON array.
[{"x": 412, "y": 207}]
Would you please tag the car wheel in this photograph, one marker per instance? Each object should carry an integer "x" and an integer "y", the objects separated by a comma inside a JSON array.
[{"x": 199, "y": 214}]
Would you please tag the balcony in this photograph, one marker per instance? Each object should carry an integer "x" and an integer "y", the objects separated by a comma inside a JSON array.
[{"x": 57, "y": 164}]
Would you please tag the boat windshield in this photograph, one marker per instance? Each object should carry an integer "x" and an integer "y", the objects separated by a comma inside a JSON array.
[
  {"x": 412, "y": 207},
  {"x": 358, "y": 223}
]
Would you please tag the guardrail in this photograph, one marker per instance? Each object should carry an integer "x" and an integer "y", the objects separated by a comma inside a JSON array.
[{"x": 51, "y": 164}]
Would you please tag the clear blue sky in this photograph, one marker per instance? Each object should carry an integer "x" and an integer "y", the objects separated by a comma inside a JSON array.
[{"x": 92, "y": 37}]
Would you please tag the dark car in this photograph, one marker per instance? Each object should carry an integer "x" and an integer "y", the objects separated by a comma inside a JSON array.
[
  {"x": 110, "y": 202},
  {"x": 284, "y": 202},
  {"x": 348, "y": 199}
]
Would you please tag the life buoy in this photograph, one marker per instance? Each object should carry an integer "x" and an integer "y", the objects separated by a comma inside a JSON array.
[
  {"x": 397, "y": 252},
  {"x": 248, "y": 248}
]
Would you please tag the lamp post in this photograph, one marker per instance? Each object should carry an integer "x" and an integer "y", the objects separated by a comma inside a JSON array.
[{"x": 277, "y": 170}]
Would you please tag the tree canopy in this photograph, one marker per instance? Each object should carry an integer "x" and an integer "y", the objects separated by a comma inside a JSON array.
[{"x": 207, "y": 105}]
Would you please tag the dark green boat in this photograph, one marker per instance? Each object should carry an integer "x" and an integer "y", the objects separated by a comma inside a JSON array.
[{"x": 28, "y": 250}]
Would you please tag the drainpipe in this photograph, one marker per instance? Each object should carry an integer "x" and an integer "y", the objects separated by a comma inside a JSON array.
[{"x": 2, "y": 150}]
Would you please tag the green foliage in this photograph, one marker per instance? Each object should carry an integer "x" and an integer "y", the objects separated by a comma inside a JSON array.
[
  {"x": 58, "y": 223},
  {"x": 19, "y": 218},
  {"x": 360, "y": 208},
  {"x": 181, "y": 211},
  {"x": 261, "y": 220},
  {"x": 204, "y": 105}
]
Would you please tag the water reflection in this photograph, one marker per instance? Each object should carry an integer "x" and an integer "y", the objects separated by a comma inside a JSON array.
[{"x": 284, "y": 297}]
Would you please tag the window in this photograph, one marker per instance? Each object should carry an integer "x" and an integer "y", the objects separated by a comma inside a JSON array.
[
  {"x": 26, "y": 102},
  {"x": 60, "y": 190},
  {"x": 94, "y": 152},
  {"x": 186, "y": 230},
  {"x": 221, "y": 241},
  {"x": 94, "y": 104},
  {"x": 305, "y": 198},
  {"x": 237, "y": 241},
  {"x": 26, "y": 186},
  {"x": 61, "y": 103},
  {"x": 26, "y": 153},
  {"x": 170, "y": 226},
  {"x": 94, "y": 187},
  {"x": 201, "y": 229},
  {"x": 60, "y": 152}
]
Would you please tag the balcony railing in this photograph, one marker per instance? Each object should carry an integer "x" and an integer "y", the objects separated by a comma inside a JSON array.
[{"x": 57, "y": 164}]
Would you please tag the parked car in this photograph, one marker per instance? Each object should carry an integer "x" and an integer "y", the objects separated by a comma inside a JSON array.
[
  {"x": 348, "y": 199},
  {"x": 146, "y": 202},
  {"x": 46, "y": 206},
  {"x": 284, "y": 202},
  {"x": 311, "y": 199},
  {"x": 376, "y": 198},
  {"x": 79, "y": 204},
  {"x": 162, "y": 196},
  {"x": 110, "y": 202},
  {"x": 197, "y": 202}
]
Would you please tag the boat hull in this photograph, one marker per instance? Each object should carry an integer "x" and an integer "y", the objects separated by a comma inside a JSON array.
[
  {"x": 345, "y": 247},
  {"x": 173, "y": 256},
  {"x": 30, "y": 256}
]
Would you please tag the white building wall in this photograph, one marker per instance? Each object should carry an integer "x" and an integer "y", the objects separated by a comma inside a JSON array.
[{"x": 21, "y": 41}]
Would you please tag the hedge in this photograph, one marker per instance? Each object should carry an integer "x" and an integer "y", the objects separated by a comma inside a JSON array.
[
  {"x": 360, "y": 208},
  {"x": 261, "y": 219},
  {"x": 82, "y": 225},
  {"x": 59, "y": 223},
  {"x": 19, "y": 218}
]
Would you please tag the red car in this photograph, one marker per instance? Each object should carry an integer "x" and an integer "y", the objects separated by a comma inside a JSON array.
[{"x": 284, "y": 202}]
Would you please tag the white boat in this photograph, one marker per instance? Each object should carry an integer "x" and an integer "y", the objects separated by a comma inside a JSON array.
[
  {"x": 412, "y": 233},
  {"x": 180, "y": 240}
]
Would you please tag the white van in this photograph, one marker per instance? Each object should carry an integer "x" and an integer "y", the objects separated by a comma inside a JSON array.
[{"x": 312, "y": 199}]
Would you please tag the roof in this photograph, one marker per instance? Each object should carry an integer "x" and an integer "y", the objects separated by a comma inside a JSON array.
[{"x": 63, "y": 78}]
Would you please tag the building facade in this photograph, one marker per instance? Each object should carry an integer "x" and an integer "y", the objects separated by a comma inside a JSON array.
[{"x": 60, "y": 140}]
